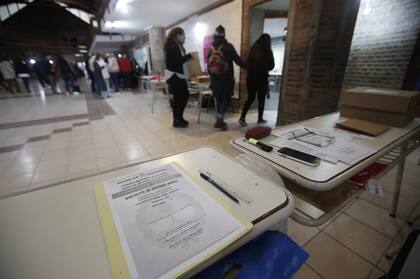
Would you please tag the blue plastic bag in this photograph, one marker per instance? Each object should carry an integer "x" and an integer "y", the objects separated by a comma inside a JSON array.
[{"x": 273, "y": 255}]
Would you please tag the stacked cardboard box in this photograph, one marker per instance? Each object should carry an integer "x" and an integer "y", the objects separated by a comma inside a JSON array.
[{"x": 385, "y": 106}]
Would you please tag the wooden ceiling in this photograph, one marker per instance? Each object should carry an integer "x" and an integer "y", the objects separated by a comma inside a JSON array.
[
  {"x": 47, "y": 27},
  {"x": 89, "y": 6}
]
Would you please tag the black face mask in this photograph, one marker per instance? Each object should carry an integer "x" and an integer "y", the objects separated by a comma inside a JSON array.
[{"x": 218, "y": 40}]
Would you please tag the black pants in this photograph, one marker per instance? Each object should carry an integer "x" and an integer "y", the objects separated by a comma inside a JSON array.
[
  {"x": 179, "y": 88},
  {"x": 26, "y": 83},
  {"x": 126, "y": 80},
  {"x": 255, "y": 86}
]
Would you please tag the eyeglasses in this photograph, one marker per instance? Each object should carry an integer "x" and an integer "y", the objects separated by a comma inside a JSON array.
[{"x": 323, "y": 140}]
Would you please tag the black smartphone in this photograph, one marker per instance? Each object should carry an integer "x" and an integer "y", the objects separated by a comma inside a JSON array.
[{"x": 299, "y": 156}]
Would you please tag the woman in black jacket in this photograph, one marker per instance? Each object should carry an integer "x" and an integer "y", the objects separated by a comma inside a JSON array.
[
  {"x": 176, "y": 74},
  {"x": 260, "y": 62}
]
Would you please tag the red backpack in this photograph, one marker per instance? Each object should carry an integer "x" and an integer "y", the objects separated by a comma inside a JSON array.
[{"x": 216, "y": 64}]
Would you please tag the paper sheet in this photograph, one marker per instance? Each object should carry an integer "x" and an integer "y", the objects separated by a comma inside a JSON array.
[
  {"x": 317, "y": 143},
  {"x": 167, "y": 223}
]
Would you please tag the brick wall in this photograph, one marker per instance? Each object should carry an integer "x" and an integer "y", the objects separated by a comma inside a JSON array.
[
  {"x": 383, "y": 43},
  {"x": 317, "y": 48}
]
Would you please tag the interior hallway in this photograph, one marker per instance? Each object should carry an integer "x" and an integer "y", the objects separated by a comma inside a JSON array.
[{"x": 45, "y": 141}]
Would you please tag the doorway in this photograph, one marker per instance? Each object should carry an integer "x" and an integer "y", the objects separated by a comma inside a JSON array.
[
  {"x": 277, "y": 29},
  {"x": 270, "y": 17}
]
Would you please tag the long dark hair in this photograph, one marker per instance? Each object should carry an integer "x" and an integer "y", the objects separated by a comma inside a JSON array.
[
  {"x": 260, "y": 47},
  {"x": 172, "y": 36}
]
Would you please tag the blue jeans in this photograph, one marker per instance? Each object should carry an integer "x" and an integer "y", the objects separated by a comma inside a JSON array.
[
  {"x": 105, "y": 93},
  {"x": 115, "y": 81},
  {"x": 69, "y": 83},
  {"x": 222, "y": 91}
]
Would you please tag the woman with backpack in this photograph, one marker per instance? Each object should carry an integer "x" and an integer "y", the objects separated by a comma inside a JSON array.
[
  {"x": 221, "y": 56},
  {"x": 176, "y": 74},
  {"x": 260, "y": 61}
]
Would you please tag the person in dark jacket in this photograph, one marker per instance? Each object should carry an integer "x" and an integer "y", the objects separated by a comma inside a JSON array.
[
  {"x": 46, "y": 72},
  {"x": 260, "y": 62},
  {"x": 222, "y": 85},
  {"x": 40, "y": 71},
  {"x": 22, "y": 72},
  {"x": 67, "y": 74},
  {"x": 176, "y": 74}
]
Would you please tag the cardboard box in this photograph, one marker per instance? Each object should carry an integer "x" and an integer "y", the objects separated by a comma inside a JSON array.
[
  {"x": 385, "y": 106},
  {"x": 362, "y": 126},
  {"x": 194, "y": 67}
]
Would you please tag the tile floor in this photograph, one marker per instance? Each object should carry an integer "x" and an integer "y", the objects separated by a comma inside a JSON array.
[{"x": 352, "y": 245}]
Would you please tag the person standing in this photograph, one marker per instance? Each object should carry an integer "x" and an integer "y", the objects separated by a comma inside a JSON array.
[
  {"x": 125, "y": 71},
  {"x": 221, "y": 56},
  {"x": 67, "y": 74},
  {"x": 93, "y": 84},
  {"x": 101, "y": 76},
  {"x": 40, "y": 71},
  {"x": 114, "y": 72},
  {"x": 176, "y": 74},
  {"x": 260, "y": 62},
  {"x": 49, "y": 74},
  {"x": 22, "y": 71},
  {"x": 9, "y": 76}
]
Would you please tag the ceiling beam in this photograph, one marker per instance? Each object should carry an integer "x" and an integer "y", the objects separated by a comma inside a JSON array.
[
  {"x": 276, "y": 14},
  {"x": 85, "y": 5}
]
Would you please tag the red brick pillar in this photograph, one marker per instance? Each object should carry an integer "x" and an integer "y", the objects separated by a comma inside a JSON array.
[{"x": 317, "y": 48}]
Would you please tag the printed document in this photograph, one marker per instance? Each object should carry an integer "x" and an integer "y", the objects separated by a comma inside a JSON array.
[
  {"x": 167, "y": 223},
  {"x": 327, "y": 145}
]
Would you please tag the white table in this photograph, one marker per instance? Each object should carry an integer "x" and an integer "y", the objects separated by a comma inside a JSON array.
[
  {"x": 392, "y": 146},
  {"x": 55, "y": 232}
]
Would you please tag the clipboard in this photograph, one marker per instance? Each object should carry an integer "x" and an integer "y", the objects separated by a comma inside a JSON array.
[{"x": 117, "y": 261}]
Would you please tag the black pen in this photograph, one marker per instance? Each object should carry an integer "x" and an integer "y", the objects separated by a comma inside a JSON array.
[{"x": 220, "y": 188}]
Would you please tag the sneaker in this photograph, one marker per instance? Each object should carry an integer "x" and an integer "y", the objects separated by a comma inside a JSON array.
[
  {"x": 184, "y": 121},
  {"x": 242, "y": 122},
  {"x": 262, "y": 121},
  {"x": 179, "y": 124},
  {"x": 218, "y": 124}
]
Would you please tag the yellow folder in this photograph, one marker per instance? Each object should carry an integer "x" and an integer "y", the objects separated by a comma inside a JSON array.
[
  {"x": 119, "y": 268},
  {"x": 118, "y": 264}
]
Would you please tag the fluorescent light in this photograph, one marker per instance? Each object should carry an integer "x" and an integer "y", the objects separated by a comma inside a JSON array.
[
  {"x": 200, "y": 31},
  {"x": 122, "y": 6},
  {"x": 367, "y": 9},
  {"x": 117, "y": 24}
]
